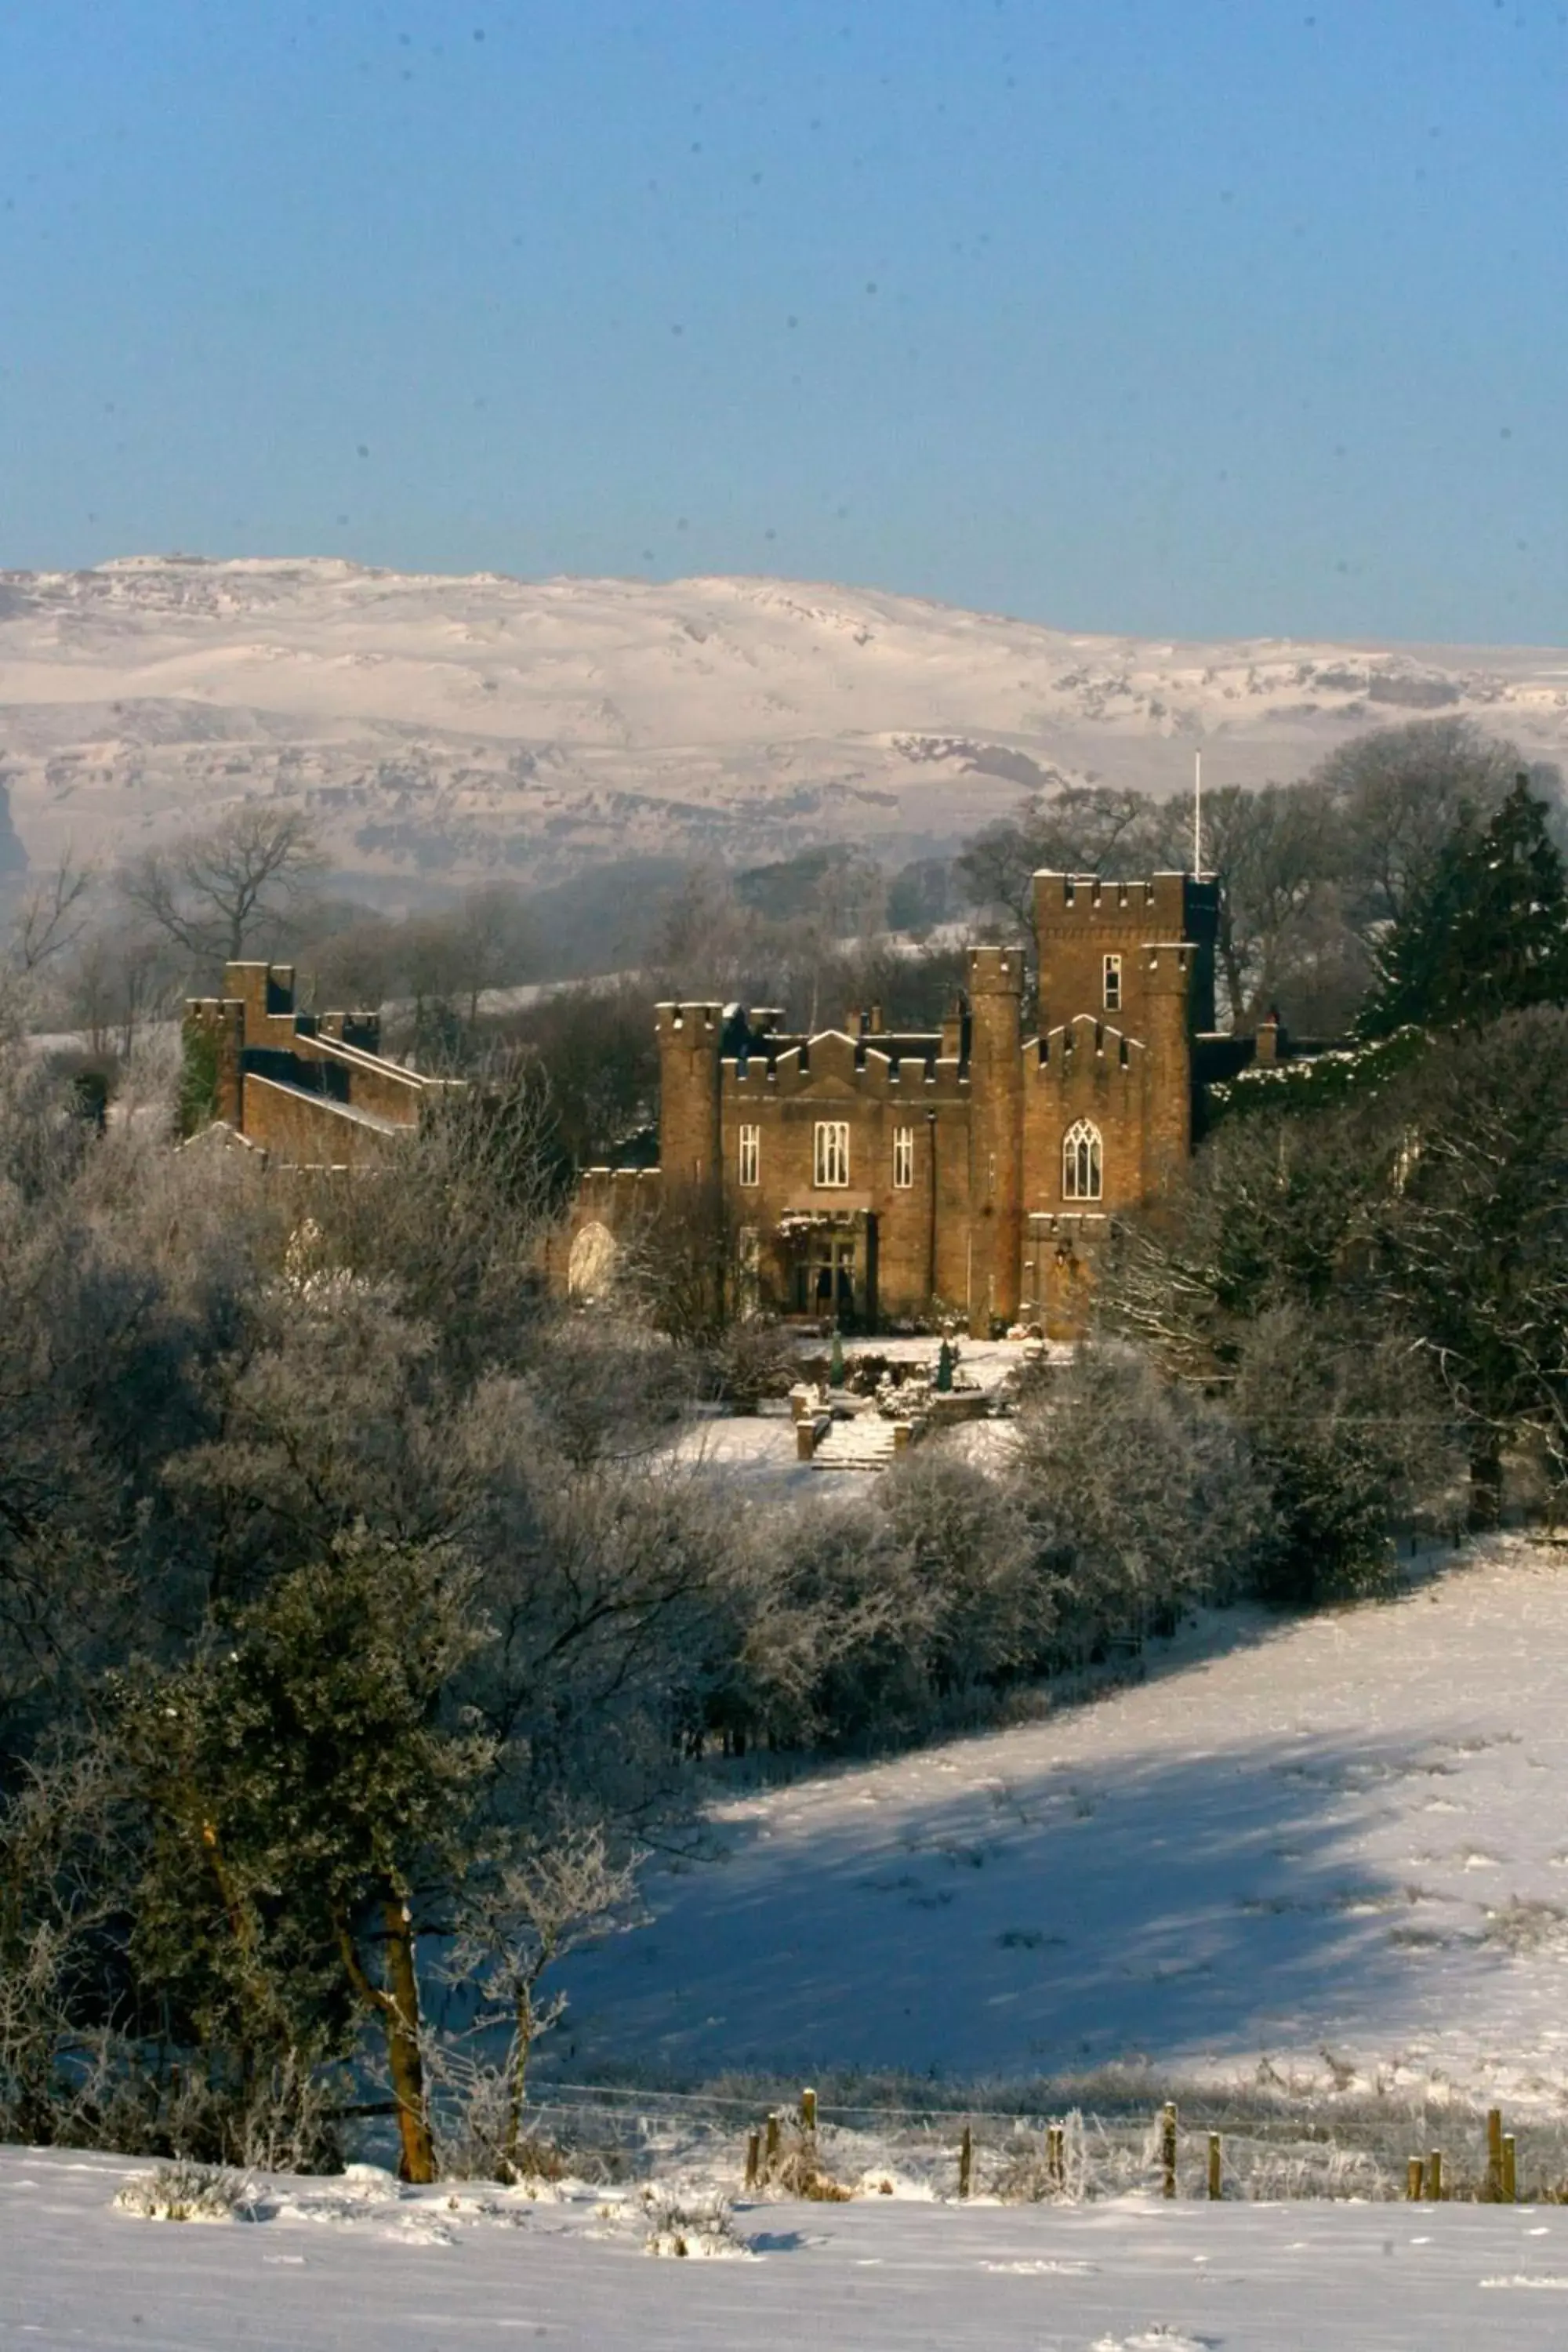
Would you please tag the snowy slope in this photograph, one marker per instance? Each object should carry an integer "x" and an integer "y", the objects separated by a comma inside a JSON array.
[
  {"x": 351, "y": 2263},
  {"x": 1346, "y": 1833},
  {"x": 448, "y": 728}
]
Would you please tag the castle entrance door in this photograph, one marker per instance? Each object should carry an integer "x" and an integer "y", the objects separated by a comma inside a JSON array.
[
  {"x": 834, "y": 1275},
  {"x": 829, "y": 1279}
]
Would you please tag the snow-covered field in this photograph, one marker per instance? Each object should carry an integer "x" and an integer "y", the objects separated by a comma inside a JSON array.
[
  {"x": 1336, "y": 1847},
  {"x": 447, "y": 727},
  {"x": 1327, "y": 1856},
  {"x": 357, "y": 2262}
]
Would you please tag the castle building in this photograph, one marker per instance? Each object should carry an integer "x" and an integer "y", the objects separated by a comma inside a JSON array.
[
  {"x": 880, "y": 1177},
  {"x": 311, "y": 1090}
]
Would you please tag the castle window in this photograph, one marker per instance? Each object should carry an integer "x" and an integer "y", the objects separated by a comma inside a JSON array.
[
  {"x": 903, "y": 1158},
  {"x": 1113, "y": 984},
  {"x": 1082, "y": 1179},
  {"x": 751, "y": 1154},
  {"x": 830, "y": 1158}
]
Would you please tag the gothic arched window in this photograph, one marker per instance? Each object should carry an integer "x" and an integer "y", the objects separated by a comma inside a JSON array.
[{"x": 1082, "y": 1163}]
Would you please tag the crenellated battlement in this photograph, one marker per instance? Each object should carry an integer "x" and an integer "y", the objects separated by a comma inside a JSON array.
[
  {"x": 1171, "y": 963},
  {"x": 1088, "y": 900},
  {"x": 995, "y": 971},
  {"x": 833, "y": 1064},
  {"x": 692, "y": 1026},
  {"x": 612, "y": 1194},
  {"x": 1083, "y": 1039}
]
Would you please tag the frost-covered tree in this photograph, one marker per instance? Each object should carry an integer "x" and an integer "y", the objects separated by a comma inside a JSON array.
[{"x": 1138, "y": 1495}]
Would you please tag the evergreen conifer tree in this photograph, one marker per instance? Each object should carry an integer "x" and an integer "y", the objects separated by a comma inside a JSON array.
[{"x": 1486, "y": 935}]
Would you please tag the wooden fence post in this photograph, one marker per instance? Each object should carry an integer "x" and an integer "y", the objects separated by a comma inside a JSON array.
[
  {"x": 1413, "y": 2180},
  {"x": 1494, "y": 2156},
  {"x": 966, "y": 2162},
  {"x": 808, "y": 2110},
  {"x": 771, "y": 2148},
  {"x": 1435, "y": 2176},
  {"x": 1509, "y": 2171},
  {"x": 1168, "y": 2146},
  {"x": 753, "y": 2159},
  {"x": 1056, "y": 2155},
  {"x": 1216, "y": 2169}
]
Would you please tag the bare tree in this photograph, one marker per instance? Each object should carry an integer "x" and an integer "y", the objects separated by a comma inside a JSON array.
[
  {"x": 1400, "y": 792},
  {"x": 1275, "y": 851},
  {"x": 1080, "y": 829},
  {"x": 118, "y": 979},
  {"x": 1279, "y": 854},
  {"x": 352, "y": 963},
  {"x": 450, "y": 959},
  {"x": 52, "y": 915},
  {"x": 544, "y": 1904},
  {"x": 211, "y": 892}
]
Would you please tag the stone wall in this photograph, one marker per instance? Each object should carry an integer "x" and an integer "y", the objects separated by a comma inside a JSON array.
[
  {"x": 303, "y": 1131},
  {"x": 312, "y": 1092}
]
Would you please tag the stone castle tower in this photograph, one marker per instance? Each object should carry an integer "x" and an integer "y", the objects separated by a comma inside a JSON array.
[{"x": 883, "y": 1177}]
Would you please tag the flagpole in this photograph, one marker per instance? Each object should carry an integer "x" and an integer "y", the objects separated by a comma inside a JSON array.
[{"x": 1197, "y": 813}]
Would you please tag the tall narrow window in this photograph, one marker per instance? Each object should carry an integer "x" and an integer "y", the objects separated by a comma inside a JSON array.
[
  {"x": 1113, "y": 984},
  {"x": 1082, "y": 1177},
  {"x": 830, "y": 1159},
  {"x": 751, "y": 1154},
  {"x": 903, "y": 1158}
]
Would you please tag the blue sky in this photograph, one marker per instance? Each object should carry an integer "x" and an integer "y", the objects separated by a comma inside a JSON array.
[{"x": 1175, "y": 316}]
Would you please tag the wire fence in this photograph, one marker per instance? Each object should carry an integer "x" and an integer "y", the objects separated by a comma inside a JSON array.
[{"x": 1214, "y": 2145}]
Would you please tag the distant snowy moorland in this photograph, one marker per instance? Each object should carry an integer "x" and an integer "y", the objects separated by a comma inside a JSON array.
[{"x": 440, "y": 730}]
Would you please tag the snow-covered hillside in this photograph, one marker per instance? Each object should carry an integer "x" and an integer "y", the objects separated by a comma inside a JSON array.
[
  {"x": 329, "y": 2264},
  {"x": 1346, "y": 1834},
  {"x": 451, "y": 727}
]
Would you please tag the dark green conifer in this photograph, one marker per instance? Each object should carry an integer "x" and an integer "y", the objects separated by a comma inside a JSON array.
[{"x": 1486, "y": 935}]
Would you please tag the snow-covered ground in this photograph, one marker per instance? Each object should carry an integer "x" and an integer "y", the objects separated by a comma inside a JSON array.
[
  {"x": 333, "y": 2263},
  {"x": 755, "y": 1453},
  {"x": 1329, "y": 1856},
  {"x": 456, "y": 727},
  {"x": 1346, "y": 1834}
]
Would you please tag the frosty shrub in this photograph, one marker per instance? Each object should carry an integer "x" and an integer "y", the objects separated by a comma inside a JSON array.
[
  {"x": 541, "y": 1905},
  {"x": 963, "y": 1545},
  {"x": 183, "y": 2191},
  {"x": 1139, "y": 1497},
  {"x": 751, "y": 1359},
  {"x": 798, "y": 2169},
  {"x": 1524, "y": 1925},
  {"x": 1026, "y": 2173},
  {"x": 1347, "y": 1433},
  {"x": 687, "y": 2229}
]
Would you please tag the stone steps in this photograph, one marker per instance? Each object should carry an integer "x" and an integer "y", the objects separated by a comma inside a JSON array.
[{"x": 865, "y": 1443}]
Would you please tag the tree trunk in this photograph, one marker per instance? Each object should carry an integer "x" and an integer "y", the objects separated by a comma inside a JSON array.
[
  {"x": 1486, "y": 1481},
  {"x": 400, "y": 2013},
  {"x": 517, "y": 2089},
  {"x": 397, "y": 2003}
]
